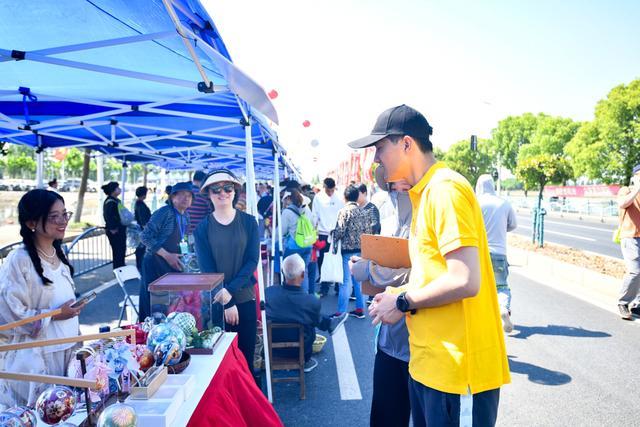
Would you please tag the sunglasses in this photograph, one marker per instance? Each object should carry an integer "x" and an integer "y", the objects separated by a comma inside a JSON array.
[{"x": 217, "y": 189}]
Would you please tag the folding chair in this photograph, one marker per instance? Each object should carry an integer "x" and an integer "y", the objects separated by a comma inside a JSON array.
[
  {"x": 287, "y": 363},
  {"x": 123, "y": 275}
]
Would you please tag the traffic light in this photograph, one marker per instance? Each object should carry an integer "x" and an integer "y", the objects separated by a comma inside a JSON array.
[{"x": 474, "y": 143}]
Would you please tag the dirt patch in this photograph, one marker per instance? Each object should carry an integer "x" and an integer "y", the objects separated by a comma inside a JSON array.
[{"x": 590, "y": 261}]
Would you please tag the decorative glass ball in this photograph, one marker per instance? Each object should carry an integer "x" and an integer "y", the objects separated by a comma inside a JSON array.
[
  {"x": 167, "y": 353},
  {"x": 184, "y": 321},
  {"x": 164, "y": 332},
  {"x": 118, "y": 415},
  {"x": 55, "y": 404},
  {"x": 24, "y": 413},
  {"x": 9, "y": 419}
]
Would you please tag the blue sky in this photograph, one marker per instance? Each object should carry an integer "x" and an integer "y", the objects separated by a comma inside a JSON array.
[{"x": 464, "y": 64}]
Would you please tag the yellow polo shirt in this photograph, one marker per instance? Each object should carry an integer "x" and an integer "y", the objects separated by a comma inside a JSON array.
[{"x": 459, "y": 346}]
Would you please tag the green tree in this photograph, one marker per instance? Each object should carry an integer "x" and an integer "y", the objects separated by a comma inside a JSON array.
[
  {"x": 20, "y": 161},
  {"x": 471, "y": 164},
  {"x": 512, "y": 133},
  {"x": 608, "y": 147},
  {"x": 550, "y": 136},
  {"x": 73, "y": 163},
  {"x": 539, "y": 170}
]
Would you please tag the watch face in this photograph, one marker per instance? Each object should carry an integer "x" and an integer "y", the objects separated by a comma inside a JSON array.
[{"x": 401, "y": 303}]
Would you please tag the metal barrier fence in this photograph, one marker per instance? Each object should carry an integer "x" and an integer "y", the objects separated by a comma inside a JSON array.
[
  {"x": 86, "y": 252},
  {"x": 584, "y": 207}
]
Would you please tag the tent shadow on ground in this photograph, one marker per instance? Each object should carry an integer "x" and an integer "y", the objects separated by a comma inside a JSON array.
[
  {"x": 538, "y": 374},
  {"x": 524, "y": 332}
]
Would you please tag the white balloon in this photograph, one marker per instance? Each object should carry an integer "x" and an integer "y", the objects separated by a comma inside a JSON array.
[{"x": 315, "y": 143}]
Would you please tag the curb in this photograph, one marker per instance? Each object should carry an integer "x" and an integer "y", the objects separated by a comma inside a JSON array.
[{"x": 595, "y": 288}]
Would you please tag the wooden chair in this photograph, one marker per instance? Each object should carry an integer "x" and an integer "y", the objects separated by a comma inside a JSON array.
[{"x": 287, "y": 363}]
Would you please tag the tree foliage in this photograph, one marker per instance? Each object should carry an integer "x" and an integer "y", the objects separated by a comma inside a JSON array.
[
  {"x": 538, "y": 170},
  {"x": 512, "y": 133},
  {"x": 471, "y": 164},
  {"x": 608, "y": 147}
]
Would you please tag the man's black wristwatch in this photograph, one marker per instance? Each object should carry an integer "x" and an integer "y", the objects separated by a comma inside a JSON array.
[{"x": 402, "y": 304}]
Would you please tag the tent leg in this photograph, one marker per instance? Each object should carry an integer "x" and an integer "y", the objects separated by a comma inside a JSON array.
[
  {"x": 100, "y": 177},
  {"x": 40, "y": 169},
  {"x": 275, "y": 215},
  {"x": 124, "y": 182},
  {"x": 252, "y": 208}
]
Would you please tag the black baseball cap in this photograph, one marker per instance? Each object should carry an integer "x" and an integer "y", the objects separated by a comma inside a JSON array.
[{"x": 400, "y": 120}]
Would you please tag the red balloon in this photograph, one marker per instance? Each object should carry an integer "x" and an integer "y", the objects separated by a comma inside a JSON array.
[
  {"x": 273, "y": 94},
  {"x": 306, "y": 123}
]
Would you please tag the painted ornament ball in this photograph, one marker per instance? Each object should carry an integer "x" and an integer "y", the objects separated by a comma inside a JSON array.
[
  {"x": 26, "y": 416},
  {"x": 55, "y": 404},
  {"x": 164, "y": 332},
  {"x": 185, "y": 321},
  {"x": 9, "y": 419},
  {"x": 118, "y": 415}
]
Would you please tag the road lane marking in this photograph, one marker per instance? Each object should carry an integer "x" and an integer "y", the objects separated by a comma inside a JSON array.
[
  {"x": 606, "y": 230},
  {"x": 347, "y": 377},
  {"x": 573, "y": 236}
]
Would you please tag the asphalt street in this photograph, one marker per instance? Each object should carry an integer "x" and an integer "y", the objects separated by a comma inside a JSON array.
[
  {"x": 571, "y": 363},
  {"x": 588, "y": 234}
]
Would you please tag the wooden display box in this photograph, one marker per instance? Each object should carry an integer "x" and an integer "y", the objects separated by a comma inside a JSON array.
[{"x": 147, "y": 392}]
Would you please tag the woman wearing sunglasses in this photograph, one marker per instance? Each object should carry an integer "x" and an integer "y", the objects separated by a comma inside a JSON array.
[
  {"x": 35, "y": 278},
  {"x": 227, "y": 242}
]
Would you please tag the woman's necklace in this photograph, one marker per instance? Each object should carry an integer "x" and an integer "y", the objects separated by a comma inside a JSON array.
[{"x": 49, "y": 258}]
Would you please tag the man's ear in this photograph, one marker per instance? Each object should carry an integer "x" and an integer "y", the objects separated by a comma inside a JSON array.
[{"x": 407, "y": 143}]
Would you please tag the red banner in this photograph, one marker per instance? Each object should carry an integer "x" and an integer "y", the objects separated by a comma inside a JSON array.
[{"x": 581, "y": 190}]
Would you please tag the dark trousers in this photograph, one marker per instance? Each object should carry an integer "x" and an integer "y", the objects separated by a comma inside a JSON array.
[
  {"x": 390, "y": 404},
  {"x": 313, "y": 274},
  {"x": 324, "y": 287},
  {"x": 140, "y": 250},
  {"x": 431, "y": 407},
  {"x": 118, "y": 244},
  {"x": 246, "y": 329}
]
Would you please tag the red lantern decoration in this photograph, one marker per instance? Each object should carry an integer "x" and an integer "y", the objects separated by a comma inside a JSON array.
[
  {"x": 60, "y": 154},
  {"x": 306, "y": 123},
  {"x": 273, "y": 94}
]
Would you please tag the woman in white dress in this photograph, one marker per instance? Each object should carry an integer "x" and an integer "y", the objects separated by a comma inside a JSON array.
[{"x": 36, "y": 277}]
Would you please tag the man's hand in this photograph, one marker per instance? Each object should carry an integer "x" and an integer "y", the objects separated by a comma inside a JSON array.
[
  {"x": 231, "y": 316},
  {"x": 173, "y": 260},
  {"x": 383, "y": 309},
  {"x": 223, "y": 297}
]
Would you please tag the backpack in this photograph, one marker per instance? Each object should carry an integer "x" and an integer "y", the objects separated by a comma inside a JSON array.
[{"x": 306, "y": 234}]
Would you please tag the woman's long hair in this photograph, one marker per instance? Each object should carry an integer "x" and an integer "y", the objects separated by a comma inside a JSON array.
[{"x": 35, "y": 206}]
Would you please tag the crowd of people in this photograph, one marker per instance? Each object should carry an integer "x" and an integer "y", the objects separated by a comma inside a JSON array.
[{"x": 440, "y": 349}]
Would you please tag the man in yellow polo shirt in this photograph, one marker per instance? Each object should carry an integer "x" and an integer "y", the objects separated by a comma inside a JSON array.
[{"x": 458, "y": 360}]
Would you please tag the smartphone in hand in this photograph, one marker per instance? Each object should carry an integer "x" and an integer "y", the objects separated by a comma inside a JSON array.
[{"x": 85, "y": 299}]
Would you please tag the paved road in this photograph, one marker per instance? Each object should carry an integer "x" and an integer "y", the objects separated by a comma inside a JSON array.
[
  {"x": 590, "y": 235},
  {"x": 571, "y": 363}
]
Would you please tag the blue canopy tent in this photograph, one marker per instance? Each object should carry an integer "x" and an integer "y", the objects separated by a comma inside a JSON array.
[{"x": 142, "y": 81}]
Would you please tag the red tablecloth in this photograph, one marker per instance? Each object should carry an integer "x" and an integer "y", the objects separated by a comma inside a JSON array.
[{"x": 232, "y": 398}]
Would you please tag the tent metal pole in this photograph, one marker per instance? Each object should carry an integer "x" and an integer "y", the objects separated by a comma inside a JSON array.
[
  {"x": 176, "y": 22},
  {"x": 124, "y": 181},
  {"x": 275, "y": 213},
  {"x": 188, "y": 13},
  {"x": 107, "y": 70},
  {"x": 99, "y": 44},
  {"x": 40, "y": 167},
  {"x": 100, "y": 177},
  {"x": 252, "y": 205}
]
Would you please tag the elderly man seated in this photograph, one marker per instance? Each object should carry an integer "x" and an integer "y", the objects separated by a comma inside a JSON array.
[{"x": 289, "y": 304}]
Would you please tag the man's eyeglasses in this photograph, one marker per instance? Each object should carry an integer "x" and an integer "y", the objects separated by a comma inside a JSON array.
[
  {"x": 217, "y": 189},
  {"x": 60, "y": 219}
]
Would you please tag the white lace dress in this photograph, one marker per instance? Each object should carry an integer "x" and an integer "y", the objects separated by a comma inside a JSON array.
[{"x": 22, "y": 294}]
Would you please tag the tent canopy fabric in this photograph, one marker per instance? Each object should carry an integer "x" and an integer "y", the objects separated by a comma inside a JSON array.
[{"x": 142, "y": 81}]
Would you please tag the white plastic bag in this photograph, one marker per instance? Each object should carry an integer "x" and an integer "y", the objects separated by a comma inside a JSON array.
[{"x": 331, "y": 271}]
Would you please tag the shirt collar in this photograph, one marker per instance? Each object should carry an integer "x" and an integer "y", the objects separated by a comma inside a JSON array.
[
  {"x": 417, "y": 189},
  {"x": 292, "y": 288}
]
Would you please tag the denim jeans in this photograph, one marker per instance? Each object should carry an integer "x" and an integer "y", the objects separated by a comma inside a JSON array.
[
  {"x": 501, "y": 273},
  {"x": 348, "y": 281},
  {"x": 312, "y": 269}
]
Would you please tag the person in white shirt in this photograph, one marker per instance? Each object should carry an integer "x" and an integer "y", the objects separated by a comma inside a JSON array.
[
  {"x": 326, "y": 206},
  {"x": 499, "y": 218}
]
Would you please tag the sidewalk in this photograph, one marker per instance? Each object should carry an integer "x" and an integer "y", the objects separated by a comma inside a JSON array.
[{"x": 595, "y": 288}]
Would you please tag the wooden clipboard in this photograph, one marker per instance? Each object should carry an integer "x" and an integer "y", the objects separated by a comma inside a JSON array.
[{"x": 392, "y": 252}]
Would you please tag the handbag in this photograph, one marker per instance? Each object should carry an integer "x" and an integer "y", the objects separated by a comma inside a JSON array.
[
  {"x": 616, "y": 233},
  {"x": 331, "y": 271}
]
